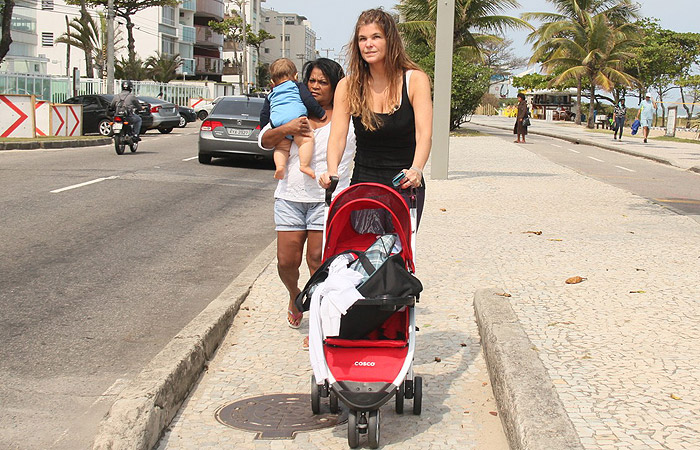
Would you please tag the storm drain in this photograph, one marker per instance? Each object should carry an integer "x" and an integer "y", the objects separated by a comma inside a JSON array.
[{"x": 278, "y": 416}]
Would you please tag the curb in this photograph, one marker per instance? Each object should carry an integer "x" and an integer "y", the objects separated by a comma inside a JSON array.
[
  {"x": 148, "y": 404},
  {"x": 597, "y": 144},
  {"x": 532, "y": 414},
  {"x": 48, "y": 144}
]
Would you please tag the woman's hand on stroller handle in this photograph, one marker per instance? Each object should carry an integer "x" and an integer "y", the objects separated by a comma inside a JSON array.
[
  {"x": 325, "y": 179},
  {"x": 331, "y": 187}
]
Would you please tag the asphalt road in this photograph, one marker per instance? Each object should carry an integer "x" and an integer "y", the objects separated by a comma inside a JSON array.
[
  {"x": 671, "y": 187},
  {"x": 104, "y": 259}
]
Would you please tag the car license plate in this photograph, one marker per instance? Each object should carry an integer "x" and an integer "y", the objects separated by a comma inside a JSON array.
[
  {"x": 117, "y": 127},
  {"x": 238, "y": 132}
]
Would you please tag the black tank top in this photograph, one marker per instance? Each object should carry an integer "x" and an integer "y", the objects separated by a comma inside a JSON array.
[{"x": 382, "y": 153}]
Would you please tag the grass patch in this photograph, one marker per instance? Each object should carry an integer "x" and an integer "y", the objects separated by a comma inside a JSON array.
[
  {"x": 53, "y": 138},
  {"x": 466, "y": 132},
  {"x": 675, "y": 139}
]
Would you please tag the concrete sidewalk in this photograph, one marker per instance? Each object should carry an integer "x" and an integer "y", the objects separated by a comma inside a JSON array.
[
  {"x": 679, "y": 154},
  {"x": 618, "y": 351}
]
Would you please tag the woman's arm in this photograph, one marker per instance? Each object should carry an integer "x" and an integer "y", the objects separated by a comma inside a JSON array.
[
  {"x": 339, "y": 133},
  {"x": 419, "y": 95},
  {"x": 297, "y": 127}
]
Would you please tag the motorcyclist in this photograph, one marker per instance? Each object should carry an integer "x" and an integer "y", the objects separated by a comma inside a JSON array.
[{"x": 132, "y": 105}]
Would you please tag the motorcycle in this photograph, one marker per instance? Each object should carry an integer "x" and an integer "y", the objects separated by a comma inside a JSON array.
[{"x": 123, "y": 134}]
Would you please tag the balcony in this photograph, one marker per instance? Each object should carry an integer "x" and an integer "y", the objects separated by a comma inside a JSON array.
[
  {"x": 210, "y": 8},
  {"x": 207, "y": 38},
  {"x": 208, "y": 66},
  {"x": 189, "y": 5},
  {"x": 187, "y": 34}
]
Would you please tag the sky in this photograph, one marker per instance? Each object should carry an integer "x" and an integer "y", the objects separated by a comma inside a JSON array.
[{"x": 333, "y": 20}]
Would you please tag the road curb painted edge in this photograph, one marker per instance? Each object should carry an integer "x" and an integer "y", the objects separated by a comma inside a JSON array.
[
  {"x": 532, "y": 414},
  {"x": 33, "y": 145},
  {"x": 146, "y": 407}
]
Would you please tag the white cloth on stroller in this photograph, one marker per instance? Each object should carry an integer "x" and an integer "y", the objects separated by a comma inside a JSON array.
[{"x": 330, "y": 300}]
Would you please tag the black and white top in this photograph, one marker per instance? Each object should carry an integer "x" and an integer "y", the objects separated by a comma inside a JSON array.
[{"x": 620, "y": 111}]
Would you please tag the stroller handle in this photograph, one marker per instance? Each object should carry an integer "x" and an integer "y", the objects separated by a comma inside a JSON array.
[{"x": 331, "y": 188}]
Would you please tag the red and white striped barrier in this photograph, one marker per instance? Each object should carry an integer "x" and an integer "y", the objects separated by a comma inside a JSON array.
[
  {"x": 17, "y": 116},
  {"x": 199, "y": 102},
  {"x": 66, "y": 120},
  {"x": 42, "y": 118}
]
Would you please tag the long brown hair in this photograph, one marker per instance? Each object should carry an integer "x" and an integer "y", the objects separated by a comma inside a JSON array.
[{"x": 396, "y": 61}]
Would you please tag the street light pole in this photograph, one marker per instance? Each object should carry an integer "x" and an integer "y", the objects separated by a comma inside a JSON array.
[
  {"x": 241, "y": 4},
  {"x": 440, "y": 154},
  {"x": 110, "y": 46}
]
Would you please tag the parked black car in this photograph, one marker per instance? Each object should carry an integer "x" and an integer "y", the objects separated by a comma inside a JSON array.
[
  {"x": 97, "y": 118},
  {"x": 187, "y": 115}
]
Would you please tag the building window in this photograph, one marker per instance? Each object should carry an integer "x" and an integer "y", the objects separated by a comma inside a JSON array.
[
  {"x": 46, "y": 39},
  {"x": 167, "y": 46},
  {"x": 267, "y": 50},
  {"x": 47, "y": 4},
  {"x": 168, "y": 16},
  {"x": 267, "y": 19},
  {"x": 289, "y": 21}
]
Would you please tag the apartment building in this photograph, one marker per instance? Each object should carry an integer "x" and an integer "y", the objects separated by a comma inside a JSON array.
[
  {"x": 294, "y": 38},
  {"x": 233, "y": 51}
]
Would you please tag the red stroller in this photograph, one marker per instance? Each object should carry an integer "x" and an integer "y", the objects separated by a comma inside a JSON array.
[{"x": 371, "y": 358}]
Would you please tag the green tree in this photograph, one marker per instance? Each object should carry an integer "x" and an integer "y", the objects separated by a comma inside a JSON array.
[
  {"x": 573, "y": 20},
  {"x": 163, "y": 67},
  {"x": 84, "y": 35},
  {"x": 663, "y": 58},
  {"x": 477, "y": 24},
  {"x": 533, "y": 81},
  {"x": 125, "y": 69},
  {"x": 126, "y": 9},
  {"x": 100, "y": 52},
  {"x": 690, "y": 87},
  {"x": 469, "y": 84},
  {"x": 6, "y": 16}
]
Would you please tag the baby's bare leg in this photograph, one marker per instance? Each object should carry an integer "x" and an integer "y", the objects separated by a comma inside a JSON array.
[
  {"x": 281, "y": 156},
  {"x": 306, "y": 153}
]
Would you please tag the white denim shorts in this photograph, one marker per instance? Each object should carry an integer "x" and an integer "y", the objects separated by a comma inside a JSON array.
[{"x": 298, "y": 216}]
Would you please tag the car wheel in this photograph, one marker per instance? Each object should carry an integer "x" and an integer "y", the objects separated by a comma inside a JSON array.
[
  {"x": 165, "y": 130},
  {"x": 204, "y": 159},
  {"x": 105, "y": 127},
  {"x": 202, "y": 114},
  {"x": 183, "y": 122}
]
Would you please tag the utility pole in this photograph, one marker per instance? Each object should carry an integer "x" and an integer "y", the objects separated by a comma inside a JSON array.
[
  {"x": 67, "y": 48},
  {"x": 242, "y": 3},
  {"x": 440, "y": 155},
  {"x": 110, "y": 46},
  {"x": 327, "y": 50}
]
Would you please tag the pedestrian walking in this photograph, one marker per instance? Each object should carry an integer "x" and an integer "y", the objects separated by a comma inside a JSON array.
[
  {"x": 620, "y": 114},
  {"x": 645, "y": 115}
]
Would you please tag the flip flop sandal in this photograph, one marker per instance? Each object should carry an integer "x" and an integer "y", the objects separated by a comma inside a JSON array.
[{"x": 295, "y": 322}]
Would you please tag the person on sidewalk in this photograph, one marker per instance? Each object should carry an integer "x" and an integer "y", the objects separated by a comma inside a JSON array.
[
  {"x": 620, "y": 114},
  {"x": 299, "y": 201},
  {"x": 645, "y": 115},
  {"x": 520, "y": 128},
  {"x": 388, "y": 98}
]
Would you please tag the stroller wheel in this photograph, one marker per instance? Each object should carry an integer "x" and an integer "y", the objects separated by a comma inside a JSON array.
[
  {"x": 353, "y": 430},
  {"x": 408, "y": 389},
  {"x": 399, "y": 398},
  {"x": 417, "y": 395},
  {"x": 373, "y": 429},
  {"x": 315, "y": 396},
  {"x": 333, "y": 400}
]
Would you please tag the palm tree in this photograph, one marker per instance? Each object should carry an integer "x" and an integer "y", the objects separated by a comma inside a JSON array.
[
  {"x": 162, "y": 67},
  {"x": 100, "y": 52},
  {"x": 557, "y": 25},
  {"x": 83, "y": 34},
  {"x": 595, "y": 49},
  {"x": 125, "y": 69},
  {"x": 476, "y": 22}
]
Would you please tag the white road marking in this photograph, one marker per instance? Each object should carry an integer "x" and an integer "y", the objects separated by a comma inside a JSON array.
[
  {"x": 556, "y": 145},
  {"x": 75, "y": 186},
  {"x": 595, "y": 159},
  {"x": 572, "y": 150},
  {"x": 190, "y": 159},
  {"x": 625, "y": 168}
]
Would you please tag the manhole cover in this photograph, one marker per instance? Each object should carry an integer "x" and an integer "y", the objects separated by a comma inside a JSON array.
[{"x": 278, "y": 416}]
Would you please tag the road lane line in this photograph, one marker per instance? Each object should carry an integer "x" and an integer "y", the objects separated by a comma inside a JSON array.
[
  {"x": 556, "y": 145},
  {"x": 75, "y": 186},
  {"x": 595, "y": 159},
  {"x": 625, "y": 168},
  {"x": 190, "y": 159},
  {"x": 572, "y": 150}
]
